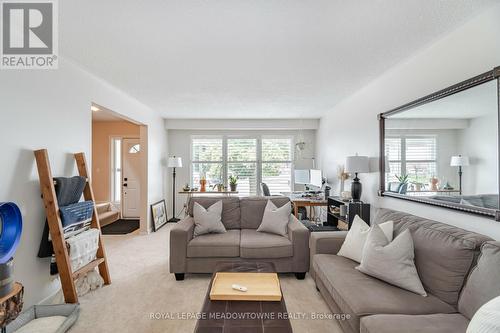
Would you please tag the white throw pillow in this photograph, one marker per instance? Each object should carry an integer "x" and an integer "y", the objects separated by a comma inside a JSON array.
[
  {"x": 392, "y": 262},
  {"x": 275, "y": 220},
  {"x": 354, "y": 243},
  {"x": 208, "y": 220}
]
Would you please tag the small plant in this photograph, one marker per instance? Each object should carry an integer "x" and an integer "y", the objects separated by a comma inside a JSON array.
[
  {"x": 233, "y": 180},
  {"x": 403, "y": 179},
  {"x": 218, "y": 186}
]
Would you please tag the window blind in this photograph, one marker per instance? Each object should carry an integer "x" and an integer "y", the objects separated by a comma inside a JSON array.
[
  {"x": 207, "y": 160},
  {"x": 413, "y": 156},
  {"x": 421, "y": 149},
  {"x": 242, "y": 162},
  {"x": 252, "y": 159},
  {"x": 277, "y": 164}
]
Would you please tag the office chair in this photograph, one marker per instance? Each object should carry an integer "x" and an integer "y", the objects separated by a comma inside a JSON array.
[{"x": 265, "y": 190}]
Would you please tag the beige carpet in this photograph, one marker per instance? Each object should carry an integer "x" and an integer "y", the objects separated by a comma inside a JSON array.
[{"x": 142, "y": 285}]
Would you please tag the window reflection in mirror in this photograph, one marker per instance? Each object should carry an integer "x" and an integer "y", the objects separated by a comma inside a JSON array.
[{"x": 446, "y": 150}]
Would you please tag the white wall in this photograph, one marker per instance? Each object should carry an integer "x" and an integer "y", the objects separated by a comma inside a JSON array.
[
  {"x": 179, "y": 144},
  {"x": 479, "y": 142},
  {"x": 352, "y": 126},
  {"x": 51, "y": 109}
]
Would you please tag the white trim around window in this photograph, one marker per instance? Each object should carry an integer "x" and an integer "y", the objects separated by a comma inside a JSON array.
[{"x": 280, "y": 171}]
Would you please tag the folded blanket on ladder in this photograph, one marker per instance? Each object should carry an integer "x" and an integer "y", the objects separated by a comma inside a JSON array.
[
  {"x": 83, "y": 248},
  {"x": 68, "y": 192}
]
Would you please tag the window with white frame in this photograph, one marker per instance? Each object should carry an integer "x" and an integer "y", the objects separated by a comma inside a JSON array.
[
  {"x": 253, "y": 159},
  {"x": 277, "y": 165},
  {"x": 415, "y": 156},
  {"x": 207, "y": 160},
  {"x": 242, "y": 162}
]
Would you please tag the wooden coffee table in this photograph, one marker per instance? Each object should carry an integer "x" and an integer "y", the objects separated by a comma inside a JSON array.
[{"x": 243, "y": 316}]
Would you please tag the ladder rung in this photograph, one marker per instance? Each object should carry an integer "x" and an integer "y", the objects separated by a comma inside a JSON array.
[
  {"x": 55, "y": 182},
  {"x": 87, "y": 268}
]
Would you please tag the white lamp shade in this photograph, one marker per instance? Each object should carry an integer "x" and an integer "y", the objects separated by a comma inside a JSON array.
[
  {"x": 357, "y": 164},
  {"x": 459, "y": 160},
  {"x": 487, "y": 318},
  {"x": 175, "y": 162}
]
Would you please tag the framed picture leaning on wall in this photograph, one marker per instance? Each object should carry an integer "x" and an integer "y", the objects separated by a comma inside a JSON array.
[{"x": 159, "y": 214}]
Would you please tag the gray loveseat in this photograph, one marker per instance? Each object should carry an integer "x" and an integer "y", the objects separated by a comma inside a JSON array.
[
  {"x": 459, "y": 270},
  {"x": 241, "y": 242}
]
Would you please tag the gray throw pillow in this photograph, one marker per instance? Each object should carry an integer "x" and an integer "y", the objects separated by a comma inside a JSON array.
[
  {"x": 275, "y": 220},
  {"x": 208, "y": 220},
  {"x": 392, "y": 262}
]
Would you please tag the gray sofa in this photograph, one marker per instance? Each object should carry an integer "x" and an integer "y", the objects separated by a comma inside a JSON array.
[
  {"x": 241, "y": 242},
  {"x": 457, "y": 282},
  {"x": 489, "y": 201}
]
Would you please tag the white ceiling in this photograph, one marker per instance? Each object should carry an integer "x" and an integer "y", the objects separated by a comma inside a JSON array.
[
  {"x": 105, "y": 115},
  {"x": 100, "y": 116},
  {"x": 250, "y": 59}
]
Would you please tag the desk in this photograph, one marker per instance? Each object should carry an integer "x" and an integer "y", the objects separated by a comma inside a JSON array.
[
  {"x": 299, "y": 201},
  {"x": 191, "y": 194}
]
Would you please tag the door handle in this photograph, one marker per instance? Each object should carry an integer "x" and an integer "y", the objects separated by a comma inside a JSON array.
[
  {"x": 124, "y": 185},
  {"x": 125, "y": 179}
]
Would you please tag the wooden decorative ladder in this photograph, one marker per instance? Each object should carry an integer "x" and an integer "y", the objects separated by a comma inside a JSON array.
[{"x": 66, "y": 274}]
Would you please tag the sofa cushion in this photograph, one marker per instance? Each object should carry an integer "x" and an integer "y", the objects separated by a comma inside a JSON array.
[
  {"x": 444, "y": 254},
  {"x": 208, "y": 220},
  {"x": 356, "y": 238},
  {"x": 230, "y": 209},
  {"x": 435, "y": 323},
  {"x": 252, "y": 210},
  {"x": 275, "y": 220},
  {"x": 256, "y": 244},
  {"x": 360, "y": 295},
  {"x": 483, "y": 283},
  {"x": 215, "y": 245},
  {"x": 392, "y": 262}
]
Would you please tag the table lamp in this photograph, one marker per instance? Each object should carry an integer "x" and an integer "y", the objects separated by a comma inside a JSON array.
[
  {"x": 459, "y": 161},
  {"x": 174, "y": 162},
  {"x": 357, "y": 164}
]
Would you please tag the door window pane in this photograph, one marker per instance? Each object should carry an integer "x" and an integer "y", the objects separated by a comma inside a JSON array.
[{"x": 116, "y": 170}]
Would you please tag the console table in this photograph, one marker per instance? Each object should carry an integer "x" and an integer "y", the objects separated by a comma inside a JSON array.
[
  {"x": 190, "y": 194},
  {"x": 353, "y": 208}
]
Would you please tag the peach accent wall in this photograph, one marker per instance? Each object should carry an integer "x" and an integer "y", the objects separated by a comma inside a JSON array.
[{"x": 101, "y": 164}]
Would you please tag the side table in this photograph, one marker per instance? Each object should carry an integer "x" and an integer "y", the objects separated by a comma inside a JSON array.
[{"x": 11, "y": 305}]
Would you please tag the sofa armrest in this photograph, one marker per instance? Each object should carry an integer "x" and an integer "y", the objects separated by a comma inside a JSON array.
[
  {"x": 299, "y": 236},
  {"x": 328, "y": 242},
  {"x": 180, "y": 235}
]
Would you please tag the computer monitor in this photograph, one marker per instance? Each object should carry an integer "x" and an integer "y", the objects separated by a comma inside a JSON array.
[
  {"x": 301, "y": 177},
  {"x": 316, "y": 179},
  {"x": 308, "y": 177}
]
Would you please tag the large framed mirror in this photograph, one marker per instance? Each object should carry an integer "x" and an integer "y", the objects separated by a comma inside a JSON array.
[{"x": 443, "y": 149}]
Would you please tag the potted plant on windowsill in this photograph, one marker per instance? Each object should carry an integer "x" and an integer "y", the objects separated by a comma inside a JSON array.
[{"x": 233, "y": 183}]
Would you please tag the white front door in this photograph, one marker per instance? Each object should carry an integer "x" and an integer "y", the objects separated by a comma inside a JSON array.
[{"x": 131, "y": 186}]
